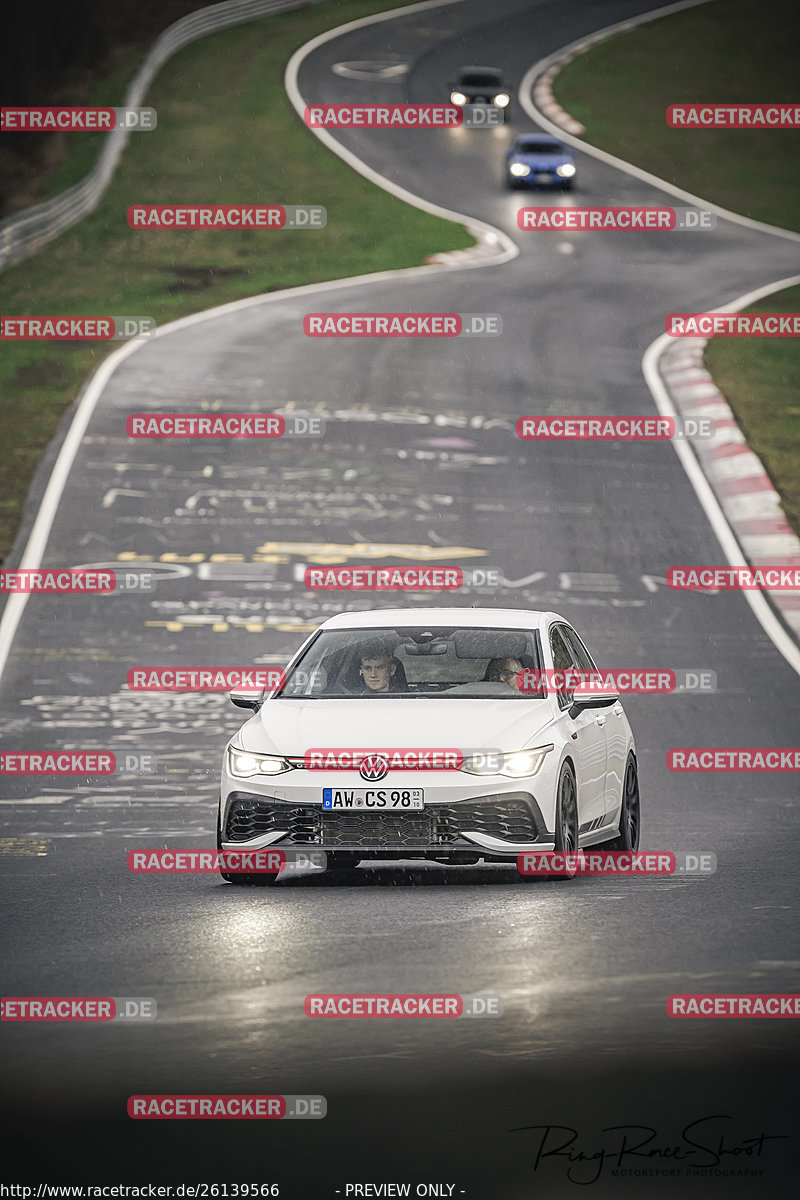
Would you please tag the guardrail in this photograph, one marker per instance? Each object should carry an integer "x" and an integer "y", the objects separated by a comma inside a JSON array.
[{"x": 25, "y": 233}]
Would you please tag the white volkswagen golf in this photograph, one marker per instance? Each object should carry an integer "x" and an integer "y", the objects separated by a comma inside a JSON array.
[{"x": 416, "y": 733}]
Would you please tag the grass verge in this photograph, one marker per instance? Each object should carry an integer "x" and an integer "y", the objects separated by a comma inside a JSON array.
[
  {"x": 729, "y": 50},
  {"x": 226, "y": 134},
  {"x": 761, "y": 379}
]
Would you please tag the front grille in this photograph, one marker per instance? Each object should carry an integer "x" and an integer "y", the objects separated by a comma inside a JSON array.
[
  {"x": 513, "y": 817},
  {"x": 378, "y": 830}
]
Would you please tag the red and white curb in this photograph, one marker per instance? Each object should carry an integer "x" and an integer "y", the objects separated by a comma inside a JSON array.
[
  {"x": 543, "y": 93},
  {"x": 492, "y": 245},
  {"x": 542, "y": 89},
  {"x": 737, "y": 476},
  {"x": 486, "y": 247}
]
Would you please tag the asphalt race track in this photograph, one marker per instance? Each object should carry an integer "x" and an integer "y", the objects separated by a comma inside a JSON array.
[{"x": 419, "y": 451}]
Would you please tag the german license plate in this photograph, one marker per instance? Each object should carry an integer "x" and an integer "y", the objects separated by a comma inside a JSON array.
[
  {"x": 544, "y": 177},
  {"x": 392, "y": 799}
]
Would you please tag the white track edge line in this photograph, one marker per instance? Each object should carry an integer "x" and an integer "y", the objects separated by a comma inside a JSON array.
[
  {"x": 87, "y": 401},
  {"x": 473, "y": 224},
  {"x": 537, "y": 116},
  {"x": 726, "y": 537}
]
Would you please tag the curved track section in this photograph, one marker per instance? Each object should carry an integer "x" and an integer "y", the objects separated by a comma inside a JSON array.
[{"x": 420, "y": 458}]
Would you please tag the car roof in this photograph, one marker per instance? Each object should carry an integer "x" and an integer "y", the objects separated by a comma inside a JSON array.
[
  {"x": 479, "y": 71},
  {"x": 539, "y": 137},
  {"x": 479, "y": 618}
]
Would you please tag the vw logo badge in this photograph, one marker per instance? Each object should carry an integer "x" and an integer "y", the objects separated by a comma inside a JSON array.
[{"x": 374, "y": 767}]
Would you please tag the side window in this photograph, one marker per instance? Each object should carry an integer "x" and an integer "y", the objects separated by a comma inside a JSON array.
[
  {"x": 580, "y": 654},
  {"x": 562, "y": 661}
]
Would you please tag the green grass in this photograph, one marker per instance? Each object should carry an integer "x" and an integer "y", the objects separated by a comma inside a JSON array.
[
  {"x": 761, "y": 379},
  {"x": 226, "y": 134},
  {"x": 725, "y": 51},
  {"x": 728, "y": 50}
]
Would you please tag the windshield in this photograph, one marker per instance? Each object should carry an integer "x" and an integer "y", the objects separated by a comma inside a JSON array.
[
  {"x": 471, "y": 80},
  {"x": 532, "y": 146},
  {"x": 417, "y": 663}
]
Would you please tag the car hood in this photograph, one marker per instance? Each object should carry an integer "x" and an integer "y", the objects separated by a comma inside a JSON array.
[
  {"x": 538, "y": 161},
  {"x": 293, "y": 727},
  {"x": 497, "y": 86}
]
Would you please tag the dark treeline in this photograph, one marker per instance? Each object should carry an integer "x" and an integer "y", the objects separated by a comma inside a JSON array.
[{"x": 51, "y": 53}]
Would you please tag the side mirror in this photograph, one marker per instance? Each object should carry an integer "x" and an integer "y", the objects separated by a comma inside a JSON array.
[
  {"x": 595, "y": 700},
  {"x": 246, "y": 700}
]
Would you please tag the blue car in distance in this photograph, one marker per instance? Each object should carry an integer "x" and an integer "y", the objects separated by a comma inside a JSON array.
[{"x": 539, "y": 160}]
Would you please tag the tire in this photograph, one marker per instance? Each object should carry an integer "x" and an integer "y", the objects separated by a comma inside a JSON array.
[
  {"x": 566, "y": 831},
  {"x": 262, "y": 879},
  {"x": 630, "y": 817},
  {"x": 567, "y": 812}
]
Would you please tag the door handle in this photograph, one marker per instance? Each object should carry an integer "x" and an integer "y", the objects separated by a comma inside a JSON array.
[{"x": 600, "y": 720}]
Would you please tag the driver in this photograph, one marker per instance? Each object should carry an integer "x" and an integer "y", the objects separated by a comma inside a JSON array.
[
  {"x": 504, "y": 670},
  {"x": 377, "y": 669}
]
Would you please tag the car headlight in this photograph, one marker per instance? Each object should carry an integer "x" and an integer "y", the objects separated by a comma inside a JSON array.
[
  {"x": 245, "y": 766},
  {"x": 502, "y": 99},
  {"x": 519, "y": 169},
  {"x": 516, "y": 765},
  {"x": 458, "y": 98},
  {"x": 566, "y": 170}
]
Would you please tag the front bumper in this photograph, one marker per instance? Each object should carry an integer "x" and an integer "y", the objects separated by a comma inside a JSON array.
[
  {"x": 482, "y": 102},
  {"x": 543, "y": 178},
  {"x": 496, "y": 826}
]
